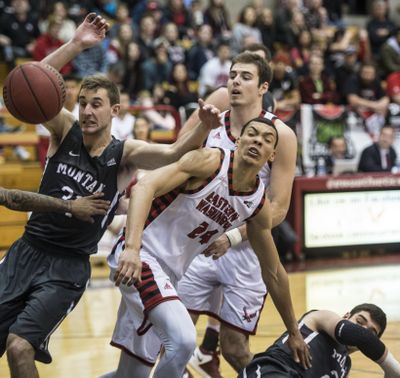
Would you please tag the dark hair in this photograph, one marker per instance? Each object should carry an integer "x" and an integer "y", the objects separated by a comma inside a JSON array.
[
  {"x": 333, "y": 138},
  {"x": 264, "y": 70},
  {"x": 377, "y": 315},
  {"x": 253, "y": 47},
  {"x": 95, "y": 82},
  {"x": 265, "y": 121},
  {"x": 72, "y": 77}
]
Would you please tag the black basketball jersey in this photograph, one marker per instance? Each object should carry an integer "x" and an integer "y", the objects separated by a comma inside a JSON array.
[
  {"x": 329, "y": 358},
  {"x": 70, "y": 173},
  {"x": 268, "y": 102}
]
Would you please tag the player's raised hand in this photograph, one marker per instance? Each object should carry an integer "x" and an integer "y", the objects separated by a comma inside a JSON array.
[
  {"x": 85, "y": 208},
  {"x": 129, "y": 268},
  {"x": 91, "y": 31},
  {"x": 209, "y": 115}
]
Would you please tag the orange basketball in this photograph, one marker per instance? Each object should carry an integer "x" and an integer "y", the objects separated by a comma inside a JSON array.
[{"x": 34, "y": 92}]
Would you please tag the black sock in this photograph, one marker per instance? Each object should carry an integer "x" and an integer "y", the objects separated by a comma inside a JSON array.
[{"x": 210, "y": 340}]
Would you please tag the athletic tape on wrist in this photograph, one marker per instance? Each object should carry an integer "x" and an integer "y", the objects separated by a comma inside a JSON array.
[{"x": 234, "y": 236}]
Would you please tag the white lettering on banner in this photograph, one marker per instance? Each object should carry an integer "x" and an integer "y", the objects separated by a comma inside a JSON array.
[{"x": 363, "y": 182}]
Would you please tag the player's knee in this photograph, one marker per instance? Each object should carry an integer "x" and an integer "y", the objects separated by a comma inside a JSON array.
[
  {"x": 187, "y": 343},
  {"x": 18, "y": 349},
  {"x": 236, "y": 353}
]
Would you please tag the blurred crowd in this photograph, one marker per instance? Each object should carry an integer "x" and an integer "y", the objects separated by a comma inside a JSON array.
[{"x": 172, "y": 52}]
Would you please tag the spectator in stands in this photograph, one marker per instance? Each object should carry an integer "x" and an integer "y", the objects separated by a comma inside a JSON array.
[
  {"x": 157, "y": 69},
  {"x": 175, "y": 12},
  {"x": 337, "y": 45},
  {"x": 200, "y": 52},
  {"x": 68, "y": 26},
  {"x": 117, "y": 48},
  {"x": 337, "y": 150},
  {"x": 301, "y": 53},
  {"x": 217, "y": 16},
  {"x": 147, "y": 35},
  {"x": 284, "y": 16},
  {"x": 379, "y": 26},
  {"x": 133, "y": 80},
  {"x": 215, "y": 72},
  {"x": 390, "y": 55},
  {"x": 122, "y": 125},
  {"x": 317, "y": 87},
  {"x": 245, "y": 27},
  {"x": 170, "y": 34},
  {"x": 161, "y": 119},
  {"x": 142, "y": 129},
  {"x": 334, "y": 10},
  {"x": 196, "y": 13},
  {"x": 90, "y": 61},
  {"x": 364, "y": 92},
  {"x": 284, "y": 86},
  {"x": 380, "y": 156},
  {"x": 49, "y": 41},
  {"x": 121, "y": 18},
  {"x": 180, "y": 92},
  {"x": 316, "y": 19},
  {"x": 393, "y": 87},
  {"x": 18, "y": 31},
  {"x": 266, "y": 25},
  {"x": 345, "y": 71}
]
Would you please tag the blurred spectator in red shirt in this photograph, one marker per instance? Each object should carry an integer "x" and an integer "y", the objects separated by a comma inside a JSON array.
[
  {"x": 317, "y": 87},
  {"x": 393, "y": 87},
  {"x": 49, "y": 41}
]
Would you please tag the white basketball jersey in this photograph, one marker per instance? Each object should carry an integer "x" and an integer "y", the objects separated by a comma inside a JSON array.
[
  {"x": 182, "y": 223},
  {"x": 222, "y": 137}
]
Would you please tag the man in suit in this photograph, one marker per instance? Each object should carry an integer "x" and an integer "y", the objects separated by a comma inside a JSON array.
[{"x": 380, "y": 156}]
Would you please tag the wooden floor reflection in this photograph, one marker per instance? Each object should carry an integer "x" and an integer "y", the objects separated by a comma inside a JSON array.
[{"x": 80, "y": 347}]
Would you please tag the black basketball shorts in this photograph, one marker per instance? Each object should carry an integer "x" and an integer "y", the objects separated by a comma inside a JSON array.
[{"x": 37, "y": 291}]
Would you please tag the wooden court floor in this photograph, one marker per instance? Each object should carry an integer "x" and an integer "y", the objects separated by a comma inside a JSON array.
[{"x": 80, "y": 347}]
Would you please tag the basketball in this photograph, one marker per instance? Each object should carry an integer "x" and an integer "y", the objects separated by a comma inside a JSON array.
[{"x": 34, "y": 92}]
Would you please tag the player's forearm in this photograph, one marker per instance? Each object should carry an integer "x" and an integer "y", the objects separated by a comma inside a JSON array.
[
  {"x": 27, "y": 201},
  {"x": 189, "y": 141},
  {"x": 63, "y": 55},
  {"x": 278, "y": 287},
  {"x": 390, "y": 365},
  {"x": 138, "y": 210}
]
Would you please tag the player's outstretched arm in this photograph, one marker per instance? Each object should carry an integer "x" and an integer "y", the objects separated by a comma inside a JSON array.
[
  {"x": 142, "y": 155},
  {"x": 282, "y": 173},
  {"x": 88, "y": 34},
  {"x": 276, "y": 279},
  {"x": 352, "y": 334},
  {"x": 198, "y": 163},
  {"x": 83, "y": 208}
]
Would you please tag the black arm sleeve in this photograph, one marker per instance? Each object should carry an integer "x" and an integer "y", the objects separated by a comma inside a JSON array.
[{"x": 348, "y": 333}]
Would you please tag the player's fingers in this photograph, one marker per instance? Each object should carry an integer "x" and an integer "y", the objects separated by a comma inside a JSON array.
[
  {"x": 97, "y": 195},
  {"x": 90, "y": 17},
  {"x": 201, "y": 102},
  {"x": 119, "y": 274},
  {"x": 296, "y": 356}
]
